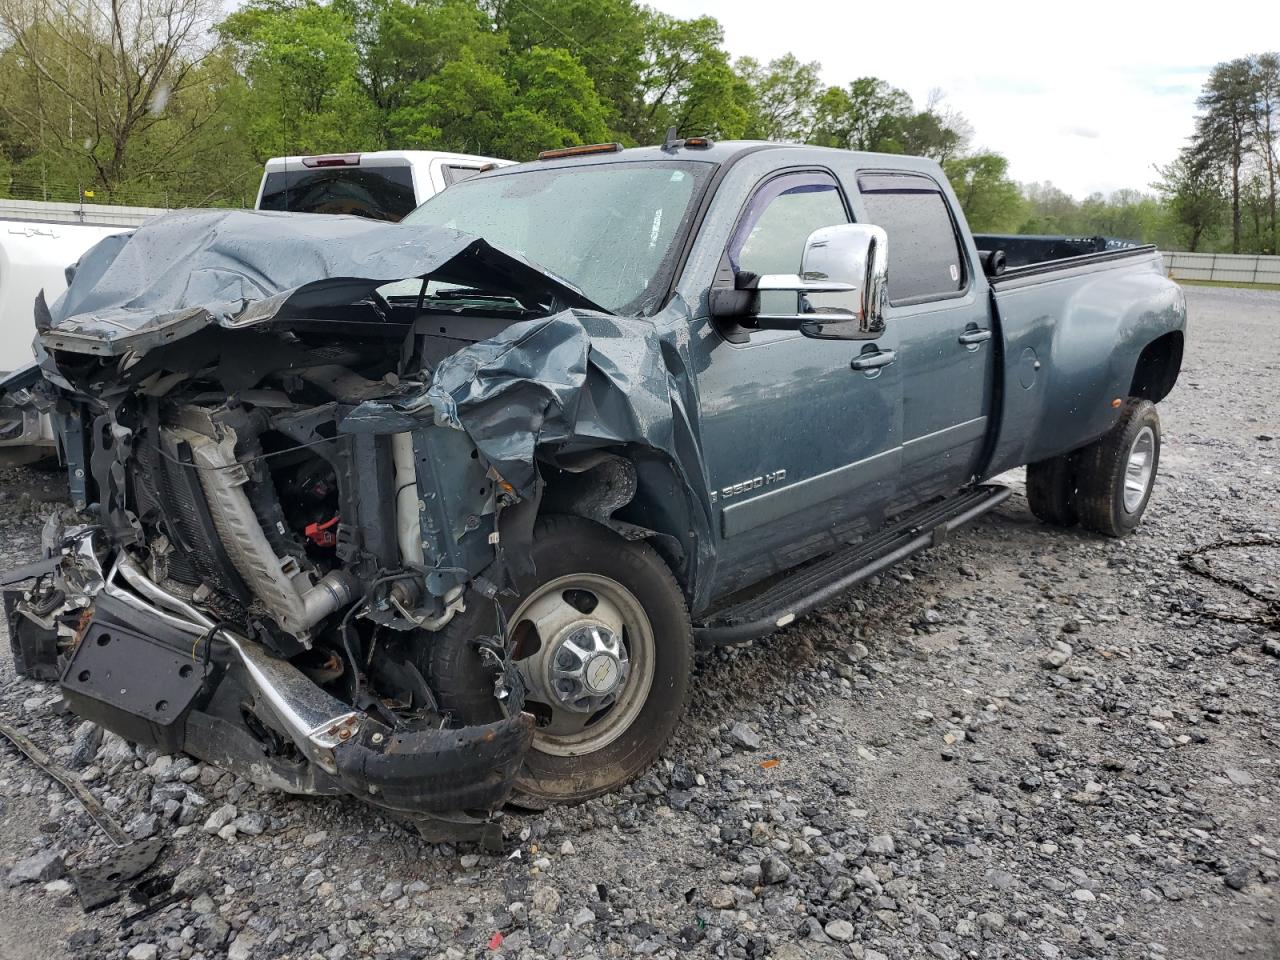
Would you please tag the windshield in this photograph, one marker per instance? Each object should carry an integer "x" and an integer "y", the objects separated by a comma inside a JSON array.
[{"x": 610, "y": 229}]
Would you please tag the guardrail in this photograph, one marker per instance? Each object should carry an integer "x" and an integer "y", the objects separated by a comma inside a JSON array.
[
  {"x": 1226, "y": 267},
  {"x": 97, "y": 214}
]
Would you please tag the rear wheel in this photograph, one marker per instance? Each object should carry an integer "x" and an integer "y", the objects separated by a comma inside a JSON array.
[
  {"x": 601, "y": 637},
  {"x": 1116, "y": 473},
  {"x": 1051, "y": 490}
]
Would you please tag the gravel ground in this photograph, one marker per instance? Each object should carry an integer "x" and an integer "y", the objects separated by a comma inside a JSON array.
[{"x": 1026, "y": 743}]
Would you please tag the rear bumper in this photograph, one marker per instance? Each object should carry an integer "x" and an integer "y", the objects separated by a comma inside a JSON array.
[{"x": 156, "y": 670}]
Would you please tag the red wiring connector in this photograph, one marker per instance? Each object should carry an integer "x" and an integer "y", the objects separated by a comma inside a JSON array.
[{"x": 323, "y": 534}]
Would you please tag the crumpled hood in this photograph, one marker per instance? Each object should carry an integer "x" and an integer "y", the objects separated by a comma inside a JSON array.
[{"x": 191, "y": 269}]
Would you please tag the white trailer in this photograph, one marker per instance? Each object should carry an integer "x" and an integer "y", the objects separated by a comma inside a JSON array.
[{"x": 35, "y": 257}]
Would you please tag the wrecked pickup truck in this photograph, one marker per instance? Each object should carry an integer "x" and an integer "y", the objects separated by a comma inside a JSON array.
[{"x": 433, "y": 513}]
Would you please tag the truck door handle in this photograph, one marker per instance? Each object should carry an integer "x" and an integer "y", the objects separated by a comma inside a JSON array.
[
  {"x": 869, "y": 361},
  {"x": 974, "y": 336}
]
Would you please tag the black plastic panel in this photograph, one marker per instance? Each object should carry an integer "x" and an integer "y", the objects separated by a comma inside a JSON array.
[{"x": 131, "y": 684}]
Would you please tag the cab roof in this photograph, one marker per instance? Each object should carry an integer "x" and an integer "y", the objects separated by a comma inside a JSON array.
[{"x": 719, "y": 152}]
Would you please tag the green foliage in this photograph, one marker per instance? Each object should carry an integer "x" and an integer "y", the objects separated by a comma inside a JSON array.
[
  {"x": 685, "y": 82},
  {"x": 1235, "y": 151},
  {"x": 557, "y": 101},
  {"x": 1194, "y": 199},
  {"x": 609, "y": 38},
  {"x": 1126, "y": 214},
  {"x": 870, "y": 114},
  {"x": 990, "y": 200},
  {"x": 493, "y": 77},
  {"x": 546, "y": 100},
  {"x": 460, "y": 108},
  {"x": 866, "y": 115},
  {"x": 401, "y": 43},
  {"x": 159, "y": 101},
  {"x": 928, "y": 134},
  {"x": 299, "y": 62},
  {"x": 116, "y": 102},
  {"x": 780, "y": 98}
]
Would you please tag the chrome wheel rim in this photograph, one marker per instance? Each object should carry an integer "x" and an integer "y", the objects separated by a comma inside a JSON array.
[
  {"x": 1138, "y": 469},
  {"x": 584, "y": 647}
]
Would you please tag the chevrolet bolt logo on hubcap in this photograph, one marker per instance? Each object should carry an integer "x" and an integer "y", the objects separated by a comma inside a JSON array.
[
  {"x": 588, "y": 667},
  {"x": 601, "y": 674}
]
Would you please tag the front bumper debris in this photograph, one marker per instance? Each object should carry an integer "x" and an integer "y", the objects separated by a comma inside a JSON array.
[{"x": 157, "y": 670}]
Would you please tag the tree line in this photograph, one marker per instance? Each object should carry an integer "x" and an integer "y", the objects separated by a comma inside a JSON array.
[
  {"x": 169, "y": 101},
  {"x": 174, "y": 102},
  {"x": 1221, "y": 188}
]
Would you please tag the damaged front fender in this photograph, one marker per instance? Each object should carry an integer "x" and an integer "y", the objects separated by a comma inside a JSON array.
[{"x": 546, "y": 391}]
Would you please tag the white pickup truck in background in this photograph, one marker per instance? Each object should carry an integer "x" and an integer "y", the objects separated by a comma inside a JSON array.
[{"x": 383, "y": 185}]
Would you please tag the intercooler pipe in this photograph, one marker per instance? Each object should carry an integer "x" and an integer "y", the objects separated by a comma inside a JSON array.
[
  {"x": 314, "y": 720},
  {"x": 280, "y": 582},
  {"x": 408, "y": 523}
]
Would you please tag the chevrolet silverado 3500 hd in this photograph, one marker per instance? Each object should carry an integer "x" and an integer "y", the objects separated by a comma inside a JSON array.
[{"x": 444, "y": 544}]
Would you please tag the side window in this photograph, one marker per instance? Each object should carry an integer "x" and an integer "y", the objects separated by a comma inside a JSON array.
[
  {"x": 779, "y": 218},
  {"x": 455, "y": 174},
  {"x": 925, "y": 257},
  {"x": 775, "y": 224}
]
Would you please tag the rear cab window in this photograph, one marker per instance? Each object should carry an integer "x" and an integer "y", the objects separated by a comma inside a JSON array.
[
  {"x": 926, "y": 259},
  {"x": 456, "y": 173},
  {"x": 382, "y": 192}
]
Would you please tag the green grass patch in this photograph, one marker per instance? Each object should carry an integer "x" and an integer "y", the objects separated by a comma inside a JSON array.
[{"x": 1229, "y": 283}]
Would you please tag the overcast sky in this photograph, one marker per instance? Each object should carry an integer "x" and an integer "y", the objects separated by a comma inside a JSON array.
[{"x": 1086, "y": 94}]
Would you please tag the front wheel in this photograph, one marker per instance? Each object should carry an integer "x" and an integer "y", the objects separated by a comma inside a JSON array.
[
  {"x": 1116, "y": 473},
  {"x": 601, "y": 637}
]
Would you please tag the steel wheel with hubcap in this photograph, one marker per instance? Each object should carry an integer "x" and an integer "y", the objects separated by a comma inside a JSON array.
[
  {"x": 585, "y": 650},
  {"x": 600, "y": 635}
]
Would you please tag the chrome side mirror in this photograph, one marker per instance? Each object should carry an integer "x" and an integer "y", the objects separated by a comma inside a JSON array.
[{"x": 843, "y": 282}]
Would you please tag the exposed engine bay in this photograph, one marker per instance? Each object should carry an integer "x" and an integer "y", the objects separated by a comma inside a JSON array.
[
  {"x": 249, "y": 514},
  {"x": 290, "y": 480}
]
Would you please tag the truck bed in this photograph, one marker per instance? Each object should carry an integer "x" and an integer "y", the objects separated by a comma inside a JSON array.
[
  {"x": 1074, "y": 264},
  {"x": 1071, "y": 331},
  {"x": 1030, "y": 250}
]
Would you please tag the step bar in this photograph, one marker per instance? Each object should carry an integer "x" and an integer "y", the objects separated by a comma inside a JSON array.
[{"x": 817, "y": 582}]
